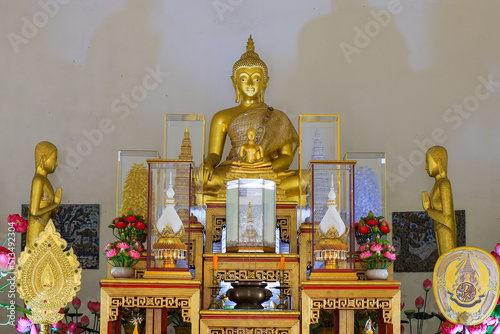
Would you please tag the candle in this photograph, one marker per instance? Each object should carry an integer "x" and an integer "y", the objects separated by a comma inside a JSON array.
[
  {"x": 171, "y": 179},
  {"x": 215, "y": 262},
  {"x": 282, "y": 262}
]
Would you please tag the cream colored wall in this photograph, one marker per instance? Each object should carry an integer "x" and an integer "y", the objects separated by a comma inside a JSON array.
[{"x": 404, "y": 66}]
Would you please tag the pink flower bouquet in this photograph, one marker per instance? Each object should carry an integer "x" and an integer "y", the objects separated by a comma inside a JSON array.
[{"x": 122, "y": 253}]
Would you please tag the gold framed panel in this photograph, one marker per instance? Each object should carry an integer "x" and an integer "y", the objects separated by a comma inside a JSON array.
[
  {"x": 132, "y": 173},
  {"x": 311, "y": 128},
  {"x": 174, "y": 126},
  {"x": 368, "y": 163}
]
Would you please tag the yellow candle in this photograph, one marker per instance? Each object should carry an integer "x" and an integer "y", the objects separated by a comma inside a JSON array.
[
  {"x": 215, "y": 262},
  {"x": 282, "y": 262}
]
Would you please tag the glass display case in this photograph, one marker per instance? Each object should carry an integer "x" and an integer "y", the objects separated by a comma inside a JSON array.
[
  {"x": 184, "y": 137},
  {"x": 169, "y": 206},
  {"x": 370, "y": 183},
  {"x": 331, "y": 202},
  {"x": 132, "y": 181},
  {"x": 251, "y": 215},
  {"x": 319, "y": 140}
]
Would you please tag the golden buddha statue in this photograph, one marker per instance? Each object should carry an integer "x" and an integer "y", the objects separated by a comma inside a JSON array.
[
  {"x": 273, "y": 130},
  {"x": 44, "y": 203},
  {"x": 251, "y": 152},
  {"x": 439, "y": 205}
]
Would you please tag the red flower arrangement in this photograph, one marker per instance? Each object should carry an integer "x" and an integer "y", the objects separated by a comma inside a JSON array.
[
  {"x": 371, "y": 234},
  {"x": 130, "y": 227},
  {"x": 370, "y": 228}
]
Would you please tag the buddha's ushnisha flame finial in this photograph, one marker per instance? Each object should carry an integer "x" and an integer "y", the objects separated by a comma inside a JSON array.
[
  {"x": 250, "y": 45},
  {"x": 250, "y": 59}
]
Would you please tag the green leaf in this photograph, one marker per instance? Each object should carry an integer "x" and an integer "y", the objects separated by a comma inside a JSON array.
[
  {"x": 440, "y": 317},
  {"x": 423, "y": 315}
]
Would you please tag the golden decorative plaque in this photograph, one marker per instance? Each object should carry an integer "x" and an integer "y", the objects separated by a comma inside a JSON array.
[
  {"x": 48, "y": 277},
  {"x": 466, "y": 285}
]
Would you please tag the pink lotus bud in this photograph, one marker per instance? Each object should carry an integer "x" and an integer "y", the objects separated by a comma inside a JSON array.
[
  {"x": 427, "y": 284},
  {"x": 419, "y": 302}
]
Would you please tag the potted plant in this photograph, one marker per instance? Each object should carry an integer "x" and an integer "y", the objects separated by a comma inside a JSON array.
[
  {"x": 376, "y": 252},
  {"x": 180, "y": 326},
  {"x": 130, "y": 227},
  {"x": 125, "y": 251}
]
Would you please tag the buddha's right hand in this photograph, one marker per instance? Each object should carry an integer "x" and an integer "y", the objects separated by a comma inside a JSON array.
[{"x": 207, "y": 172}]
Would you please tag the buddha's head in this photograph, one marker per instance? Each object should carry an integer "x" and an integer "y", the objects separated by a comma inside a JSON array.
[
  {"x": 436, "y": 160},
  {"x": 250, "y": 75},
  {"x": 251, "y": 133},
  {"x": 46, "y": 156}
]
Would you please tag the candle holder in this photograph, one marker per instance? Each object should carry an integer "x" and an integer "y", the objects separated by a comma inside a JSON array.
[
  {"x": 215, "y": 289},
  {"x": 282, "y": 296}
]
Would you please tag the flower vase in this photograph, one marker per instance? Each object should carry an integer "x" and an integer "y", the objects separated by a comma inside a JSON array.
[
  {"x": 122, "y": 272},
  {"x": 376, "y": 274}
]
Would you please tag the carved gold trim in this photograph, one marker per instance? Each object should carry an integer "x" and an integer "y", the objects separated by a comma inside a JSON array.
[
  {"x": 150, "y": 302},
  {"x": 255, "y": 275},
  {"x": 219, "y": 225},
  {"x": 283, "y": 223},
  {"x": 250, "y": 330},
  {"x": 385, "y": 304}
]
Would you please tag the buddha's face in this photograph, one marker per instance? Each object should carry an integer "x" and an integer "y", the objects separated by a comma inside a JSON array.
[
  {"x": 51, "y": 163},
  {"x": 251, "y": 134},
  {"x": 250, "y": 82},
  {"x": 431, "y": 166}
]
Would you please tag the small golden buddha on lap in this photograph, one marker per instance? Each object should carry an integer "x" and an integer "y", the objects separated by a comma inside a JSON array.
[{"x": 272, "y": 132}]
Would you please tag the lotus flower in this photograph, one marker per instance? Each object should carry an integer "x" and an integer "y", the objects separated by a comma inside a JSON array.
[
  {"x": 449, "y": 328},
  {"x": 94, "y": 307},
  {"x": 85, "y": 321},
  {"x": 76, "y": 303},
  {"x": 18, "y": 223},
  {"x": 419, "y": 302},
  {"x": 7, "y": 259},
  {"x": 427, "y": 284}
]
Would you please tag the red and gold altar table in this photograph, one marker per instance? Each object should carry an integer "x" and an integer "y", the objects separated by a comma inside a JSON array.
[
  {"x": 156, "y": 295},
  {"x": 249, "y": 321},
  {"x": 347, "y": 296}
]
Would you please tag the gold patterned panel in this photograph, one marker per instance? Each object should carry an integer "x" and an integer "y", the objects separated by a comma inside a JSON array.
[
  {"x": 384, "y": 304},
  {"x": 47, "y": 276},
  {"x": 219, "y": 225},
  {"x": 139, "y": 273},
  {"x": 254, "y": 275},
  {"x": 250, "y": 330},
  {"x": 284, "y": 226},
  {"x": 150, "y": 302},
  {"x": 282, "y": 223}
]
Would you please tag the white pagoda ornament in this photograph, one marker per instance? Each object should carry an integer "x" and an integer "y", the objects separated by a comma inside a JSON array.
[
  {"x": 332, "y": 233},
  {"x": 169, "y": 229}
]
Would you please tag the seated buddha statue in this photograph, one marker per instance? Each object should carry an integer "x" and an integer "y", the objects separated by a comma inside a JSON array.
[{"x": 274, "y": 132}]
